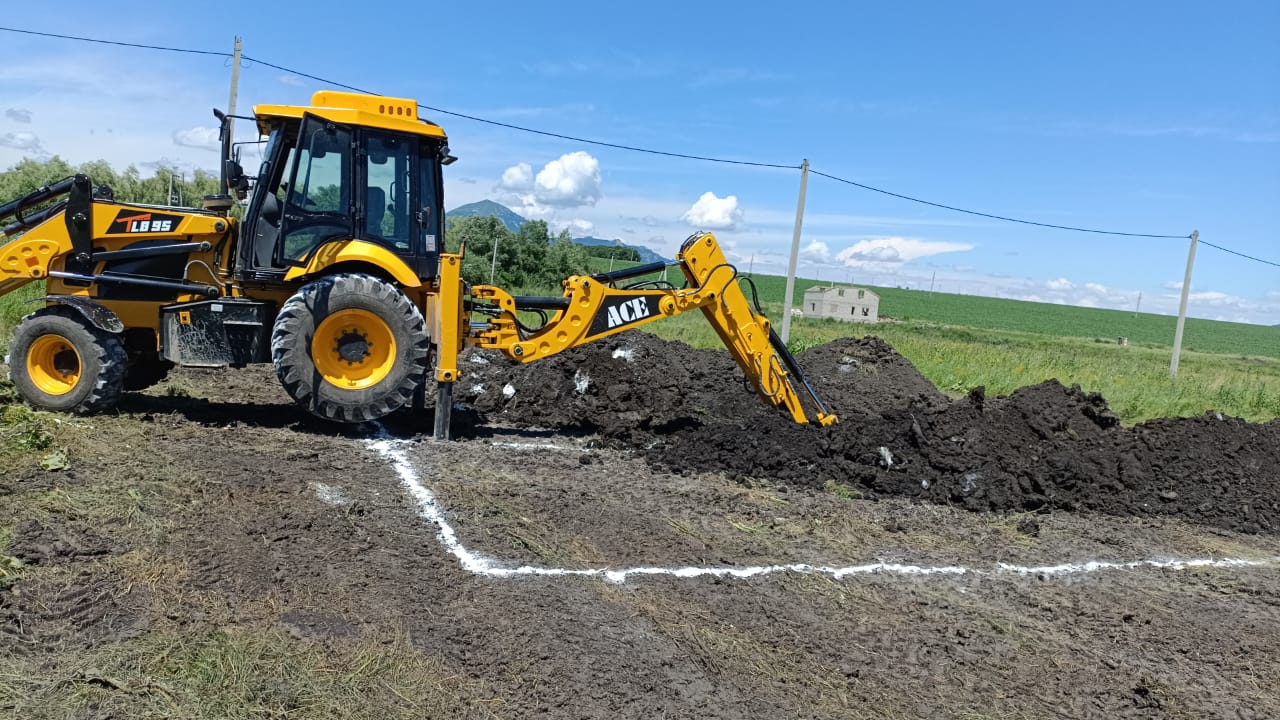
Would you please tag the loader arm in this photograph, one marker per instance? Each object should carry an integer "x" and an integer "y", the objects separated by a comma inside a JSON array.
[{"x": 592, "y": 308}]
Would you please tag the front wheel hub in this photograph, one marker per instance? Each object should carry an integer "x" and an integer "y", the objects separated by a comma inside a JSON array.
[
  {"x": 353, "y": 349},
  {"x": 53, "y": 365}
]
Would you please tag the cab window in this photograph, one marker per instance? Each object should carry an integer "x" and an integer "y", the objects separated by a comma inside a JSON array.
[
  {"x": 318, "y": 201},
  {"x": 387, "y": 183}
]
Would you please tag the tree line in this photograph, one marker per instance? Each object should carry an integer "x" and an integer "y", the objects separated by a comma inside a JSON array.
[
  {"x": 129, "y": 185},
  {"x": 527, "y": 260}
]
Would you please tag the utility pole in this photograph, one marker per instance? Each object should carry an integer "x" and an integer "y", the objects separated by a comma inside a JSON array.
[
  {"x": 493, "y": 264},
  {"x": 235, "y": 90},
  {"x": 751, "y": 263},
  {"x": 795, "y": 254},
  {"x": 935, "y": 277},
  {"x": 1137, "y": 308},
  {"x": 1182, "y": 306}
]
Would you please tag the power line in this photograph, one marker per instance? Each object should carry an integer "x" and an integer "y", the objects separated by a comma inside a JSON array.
[
  {"x": 545, "y": 133},
  {"x": 612, "y": 145},
  {"x": 116, "y": 42},
  {"x": 632, "y": 148},
  {"x": 353, "y": 88},
  {"x": 1233, "y": 252},
  {"x": 994, "y": 217}
]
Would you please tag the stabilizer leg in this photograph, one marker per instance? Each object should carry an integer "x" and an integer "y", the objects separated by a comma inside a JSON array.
[{"x": 444, "y": 410}]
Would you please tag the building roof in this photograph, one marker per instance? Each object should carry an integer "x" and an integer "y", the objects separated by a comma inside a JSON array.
[{"x": 829, "y": 288}]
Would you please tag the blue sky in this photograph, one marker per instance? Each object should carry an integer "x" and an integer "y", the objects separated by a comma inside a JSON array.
[{"x": 1149, "y": 117}]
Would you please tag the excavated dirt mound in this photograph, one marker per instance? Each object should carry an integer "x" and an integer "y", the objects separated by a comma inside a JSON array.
[{"x": 1042, "y": 447}]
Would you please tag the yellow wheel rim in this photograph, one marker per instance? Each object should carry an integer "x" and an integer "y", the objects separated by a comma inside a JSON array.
[
  {"x": 53, "y": 365},
  {"x": 353, "y": 349}
]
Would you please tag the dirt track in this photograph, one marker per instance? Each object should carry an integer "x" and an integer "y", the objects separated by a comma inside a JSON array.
[{"x": 248, "y": 519}]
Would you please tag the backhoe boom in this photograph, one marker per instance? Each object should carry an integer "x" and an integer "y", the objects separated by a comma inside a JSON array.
[{"x": 593, "y": 308}]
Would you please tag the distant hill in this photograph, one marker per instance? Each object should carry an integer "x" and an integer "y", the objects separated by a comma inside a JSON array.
[
  {"x": 486, "y": 208},
  {"x": 646, "y": 255},
  {"x": 513, "y": 221}
]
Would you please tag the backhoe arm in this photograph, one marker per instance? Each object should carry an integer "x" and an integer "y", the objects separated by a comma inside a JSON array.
[{"x": 592, "y": 308}]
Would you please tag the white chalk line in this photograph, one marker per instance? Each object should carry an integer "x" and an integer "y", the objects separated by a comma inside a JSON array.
[{"x": 430, "y": 509}]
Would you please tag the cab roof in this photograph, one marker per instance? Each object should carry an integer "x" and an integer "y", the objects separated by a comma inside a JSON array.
[{"x": 377, "y": 111}]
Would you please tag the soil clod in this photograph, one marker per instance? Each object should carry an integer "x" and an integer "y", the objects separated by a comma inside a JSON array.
[{"x": 1046, "y": 446}]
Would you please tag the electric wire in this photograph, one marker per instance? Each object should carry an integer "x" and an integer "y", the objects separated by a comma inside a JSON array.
[
  {"x": 989, "y": 215},
  {"x": 100, "y": 41},
  {"x": 1233, "y": 252},
  {"x": 631, "y": 148},
  {"x": 535, "y": 131}
]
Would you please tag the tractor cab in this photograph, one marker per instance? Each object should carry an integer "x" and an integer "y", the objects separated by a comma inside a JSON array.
[{"x": 360, "y": 171}]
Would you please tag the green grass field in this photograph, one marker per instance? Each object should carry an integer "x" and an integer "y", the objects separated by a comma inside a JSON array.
[{"x": 986, "y": 313}]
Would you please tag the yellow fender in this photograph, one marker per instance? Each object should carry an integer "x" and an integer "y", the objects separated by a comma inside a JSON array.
[{"x": 344, "y": 251}]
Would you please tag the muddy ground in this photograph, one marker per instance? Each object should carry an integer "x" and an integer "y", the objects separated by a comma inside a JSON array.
[{"x": 210, "y": 551}]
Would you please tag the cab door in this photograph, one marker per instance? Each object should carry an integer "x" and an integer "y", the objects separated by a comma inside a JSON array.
[
  {"x": 399, "y": 204},
  {"x": 319, "y": 202}
]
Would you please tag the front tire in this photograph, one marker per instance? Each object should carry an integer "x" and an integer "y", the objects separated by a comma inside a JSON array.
[
  {"x": 59, "y": 362},
  {"x": 350, "y": 348}
]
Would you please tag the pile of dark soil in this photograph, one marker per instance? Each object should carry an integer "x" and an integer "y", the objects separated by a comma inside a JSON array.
[{"x": 1042, "y": 447}]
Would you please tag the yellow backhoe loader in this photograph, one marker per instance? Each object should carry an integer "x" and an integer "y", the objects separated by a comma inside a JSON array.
[{"x": 337, "y": 274}]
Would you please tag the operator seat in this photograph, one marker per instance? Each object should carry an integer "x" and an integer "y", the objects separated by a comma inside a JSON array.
[
  {"x": 375, "y": 211},
  {"x": 266, "y": 231}
]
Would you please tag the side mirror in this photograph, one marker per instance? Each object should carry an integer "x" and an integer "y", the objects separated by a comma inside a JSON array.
[
  {"x": 236, "y": 181},
  {"x": 235, "y": 173}
]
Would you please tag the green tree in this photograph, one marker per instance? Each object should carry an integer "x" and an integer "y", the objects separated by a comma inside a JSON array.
[
  {"x": 30, "y": 174},
  {"x": 127, "y": 186},
  {"x": 613, "y": 251},
  {"x": 481, "y": 235},
  {"x": 565, "y": 258},
  {"x": 531, "y": 242}
]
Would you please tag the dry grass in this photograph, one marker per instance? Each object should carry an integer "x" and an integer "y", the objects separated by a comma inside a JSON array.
[{"x": 238, "y": 672}]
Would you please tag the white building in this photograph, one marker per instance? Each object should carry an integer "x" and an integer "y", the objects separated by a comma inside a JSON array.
[{"x": 850, "y": 304}]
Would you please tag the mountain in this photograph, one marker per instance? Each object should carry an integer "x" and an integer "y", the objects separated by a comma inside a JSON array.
[
  {"x": 513, "y": 221},
  {"x": 486, "y": 208},
  {"x": 646, "y": 255}
]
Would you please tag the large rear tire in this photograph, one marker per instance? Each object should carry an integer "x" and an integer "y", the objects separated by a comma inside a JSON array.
[
  {"x": 57, "y": 361},
  {"x": 350, "y": 348}
]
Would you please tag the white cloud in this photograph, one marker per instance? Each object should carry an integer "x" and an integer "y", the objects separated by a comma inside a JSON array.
[
  {"x": 18, "y": 115},
  {"x": 1060, "y": 284},
  {"x": 894, "y": 250},
  {"x": 517, "y": 178},
  {"x": 572, "y": 181},
  {"x": 578, "y": 227},
  {"x": 1173, "y": 285},
  {"x": 26, "y": 142},
  {"x": 292, "y": 80},
  {"x": 714, "y": 213},
  {"x": 205, "y": 138},
  {"x": 1213, "y": 297},
  {"x": 816, "y": 250}
]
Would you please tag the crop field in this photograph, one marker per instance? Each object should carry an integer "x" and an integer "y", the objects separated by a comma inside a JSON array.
[{"x": 985, "y": 313}]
